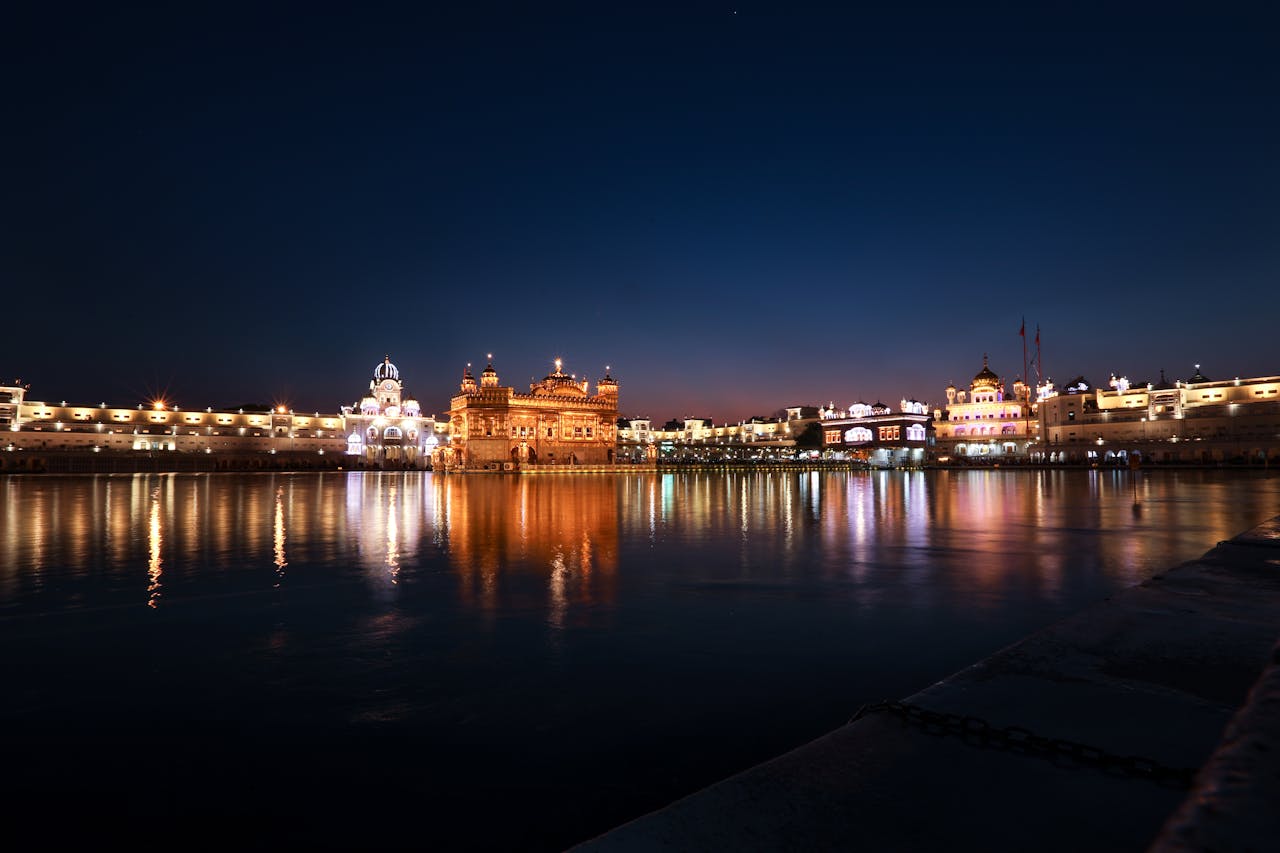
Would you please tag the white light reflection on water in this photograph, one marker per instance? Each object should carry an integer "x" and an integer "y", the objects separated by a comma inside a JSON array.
[
  {"x": 393, "y": 540},
  {"x": 923, "y": 539},
  {"x": 556, "y": 584}
]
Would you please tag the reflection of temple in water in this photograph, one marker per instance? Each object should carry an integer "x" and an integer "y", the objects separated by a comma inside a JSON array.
[{"x": 510, "y": 538}]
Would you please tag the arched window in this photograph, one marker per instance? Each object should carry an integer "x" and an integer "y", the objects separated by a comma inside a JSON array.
[
  {"x": 915, "y": 432},
  {"x": 856, "y": 435},
  {"x": 354, "y": 444}
]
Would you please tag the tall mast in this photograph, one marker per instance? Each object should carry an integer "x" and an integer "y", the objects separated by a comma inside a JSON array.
[
  {"x": 1022, "y": 332},
  {"x": 1040, "y": 363}
]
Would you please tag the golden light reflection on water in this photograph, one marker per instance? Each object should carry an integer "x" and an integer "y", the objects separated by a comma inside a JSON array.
[
  {"x": 554, "y": 545},
  {"x": 505, "y": 531},
  {"x": 153, "y": 544},
  {"x": 278, "y": 538}
]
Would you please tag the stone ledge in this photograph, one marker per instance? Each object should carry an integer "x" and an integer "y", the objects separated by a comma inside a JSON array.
[{"x": 1156, "y": 671}]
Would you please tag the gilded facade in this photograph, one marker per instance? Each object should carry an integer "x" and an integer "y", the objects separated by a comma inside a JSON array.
[{"x": 558, "y": 422}]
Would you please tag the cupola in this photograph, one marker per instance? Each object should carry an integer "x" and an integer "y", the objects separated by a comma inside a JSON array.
[
  {"x": 386, "y": 370},
  {"x": 489, "y": 376},
  {"x": 468, "y": 381}
]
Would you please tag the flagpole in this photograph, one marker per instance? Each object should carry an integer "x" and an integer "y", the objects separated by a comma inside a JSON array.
[
  {"x": 1023, "y": 333},
  {"x": 1039, "y": 371},
  {"x": 1026, "y": 404},
  {"x": 1039, "y": 360}
]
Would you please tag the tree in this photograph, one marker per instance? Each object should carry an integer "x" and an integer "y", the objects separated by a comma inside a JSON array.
[{"x": 811, "y": 437}]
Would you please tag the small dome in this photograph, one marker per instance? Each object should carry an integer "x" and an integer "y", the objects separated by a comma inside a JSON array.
[
  {"x": 489, "y": 377},
  {"x": 386, "y": 370},
  {"x": 1198, "y": 376},
  {"x": 559, "y": 379},
  {"x": 985, "y": 377},
  {"x": 1079, "y": 385}
]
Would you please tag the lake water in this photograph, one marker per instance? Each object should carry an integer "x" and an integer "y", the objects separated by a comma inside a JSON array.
[{"x": 377, "y": 660}]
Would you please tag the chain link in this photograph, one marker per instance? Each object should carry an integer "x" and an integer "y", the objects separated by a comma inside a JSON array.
[{"x": 978, "y": 732}]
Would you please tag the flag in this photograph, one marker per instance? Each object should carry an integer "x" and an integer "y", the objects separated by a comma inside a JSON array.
[
  {"x": 1037, "y": 334},
  {"x": 1023, "y": 331}
]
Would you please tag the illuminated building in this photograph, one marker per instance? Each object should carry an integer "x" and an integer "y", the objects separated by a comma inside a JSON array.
[
  {"x": 494, "y": 427},
  {"x": 702, "y": 439},
  {"x": 11, "y": 397},
  {"x": 173, "y": 435},
  {"x": 876, "y": 434},
  {"x": 386, "y": 428},
  {"x": 982, "y": 423},
  {"x": 1196, "y": 420}
]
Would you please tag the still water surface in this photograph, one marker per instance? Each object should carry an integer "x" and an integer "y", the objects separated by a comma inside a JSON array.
[{"x": 494, "y": 662}]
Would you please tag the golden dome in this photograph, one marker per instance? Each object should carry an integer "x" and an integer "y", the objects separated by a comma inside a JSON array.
[{"x": 985, "y": 378}]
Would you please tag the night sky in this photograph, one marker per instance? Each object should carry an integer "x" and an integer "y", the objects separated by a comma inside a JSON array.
[{"x": 739, "y": 207}]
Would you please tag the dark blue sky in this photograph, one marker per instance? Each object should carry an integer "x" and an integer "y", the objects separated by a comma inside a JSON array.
[{"x": 738, "y": 212}]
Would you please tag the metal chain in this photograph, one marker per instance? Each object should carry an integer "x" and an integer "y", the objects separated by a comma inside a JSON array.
[{"x": 978, "y": 732}]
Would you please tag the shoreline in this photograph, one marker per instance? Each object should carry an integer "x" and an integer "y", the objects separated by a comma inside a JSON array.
[
  {"x": 47, "y": 463},
  {"x": 1178, "y": 672}
]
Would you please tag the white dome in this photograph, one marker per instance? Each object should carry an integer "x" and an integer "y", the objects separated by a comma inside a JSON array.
[{"x": 386, "y": 370}]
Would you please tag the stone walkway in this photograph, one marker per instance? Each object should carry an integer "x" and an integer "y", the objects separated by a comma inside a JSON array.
[{"x": 1157, "y": 672}]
